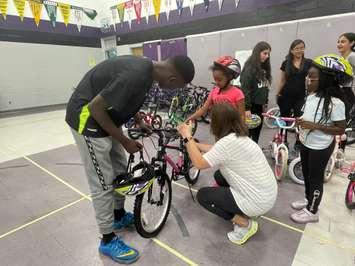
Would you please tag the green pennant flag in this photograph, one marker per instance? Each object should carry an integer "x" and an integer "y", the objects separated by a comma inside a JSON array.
[
  {"x": 51, "y": 8},
  {"x": 120, "y": 9},
  {"x": 91, "y": 13}
]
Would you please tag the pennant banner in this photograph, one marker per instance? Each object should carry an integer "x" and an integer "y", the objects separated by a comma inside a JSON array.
[
  {"x": 179, "y": 4},
  {"x": 192, "y": 5},
  {"x": 91, "y": 13},
  {"x": 36, "y": 8},
  {"x": 51, "y": 9},
  {"x": 236, "y": 3},
  {"x": 220, "y": 4},
  {"x": 168, "y": 7},
  {"x": 120, "y": 9},
  {"x": 207, "y": 4},
  {"x": 20, "y": 6},
  {"x": 138, "y": 9},
  {"x": 129, "y": 10},
  {"x": 3, "y": 8},
  {"x": 156, "y": 4},
  {"x": 78, "y": 18},
  {"x": 146, "y": 8},
  {"x": 114, "y": 17},
  {"x": 65, "y": 10}
]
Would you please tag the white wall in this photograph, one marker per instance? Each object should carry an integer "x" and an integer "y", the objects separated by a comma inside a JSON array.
[
  {"x": 93, "y": 4},
  {"x": 36, "y": 75}
]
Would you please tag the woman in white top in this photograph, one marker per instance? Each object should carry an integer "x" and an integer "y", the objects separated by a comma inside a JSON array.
[
  {"x": 247, "y": 186},
  {"x": 323, "y": 118},
  {"x": 346, "y": 48}
]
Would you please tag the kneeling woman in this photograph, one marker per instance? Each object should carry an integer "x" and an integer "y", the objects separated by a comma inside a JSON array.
[{"x": 247, "y": 186}]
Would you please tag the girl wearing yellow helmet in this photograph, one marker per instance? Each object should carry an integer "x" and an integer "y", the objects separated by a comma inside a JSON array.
[{"x": 323, "y": 117}]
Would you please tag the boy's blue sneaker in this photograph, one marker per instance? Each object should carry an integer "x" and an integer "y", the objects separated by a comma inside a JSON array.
[
  {"x": 119, "y": 251},
  {"x": 126, "y": 221}
]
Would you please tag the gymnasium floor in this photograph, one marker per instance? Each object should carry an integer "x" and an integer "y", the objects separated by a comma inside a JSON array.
[{"x": 47, "y": 217}]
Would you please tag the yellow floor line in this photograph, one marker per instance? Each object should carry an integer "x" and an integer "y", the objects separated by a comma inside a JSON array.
[
  {"x": 283, "y": 224},
  {"x": 173, "y": 251},
  {"x": 41, "y": 218},
  {"x": 58, "y": 178}
]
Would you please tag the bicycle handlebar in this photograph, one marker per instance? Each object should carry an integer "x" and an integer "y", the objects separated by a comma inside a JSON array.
[{"x": 279, "y": 120}]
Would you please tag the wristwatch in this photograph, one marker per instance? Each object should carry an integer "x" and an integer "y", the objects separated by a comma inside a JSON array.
[{"x": 186, "y": 140}]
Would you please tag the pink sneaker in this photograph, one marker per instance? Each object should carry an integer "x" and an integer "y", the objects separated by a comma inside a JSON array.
[
  {"x": 299, "y": 205},
  {"x": 304, "y": 216}
]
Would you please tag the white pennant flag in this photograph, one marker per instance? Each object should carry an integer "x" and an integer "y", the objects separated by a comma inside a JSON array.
[
  {"x": 220, "y": 4},
  {"x": 114, "y": 17},
  {"x": 192, "y": 5},
  {"x": 236, "y": 3},
  {"x": 146, "y": 7},
  {"x": 78, "y": 18},
  {"x": 168, "y": 7},
  {"x": 130, "y": 12}
]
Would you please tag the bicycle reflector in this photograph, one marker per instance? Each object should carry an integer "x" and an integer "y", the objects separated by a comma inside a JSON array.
[{"x": 136, "y": 181}]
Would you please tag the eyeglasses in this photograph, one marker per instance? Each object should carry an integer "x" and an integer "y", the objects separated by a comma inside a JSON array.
[
  {"x": 298, "y": 49},
  {"x": 312, "y": 79}
]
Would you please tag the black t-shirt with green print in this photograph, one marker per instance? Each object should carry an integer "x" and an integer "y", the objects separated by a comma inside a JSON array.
[{"x": 123, "y": 82}]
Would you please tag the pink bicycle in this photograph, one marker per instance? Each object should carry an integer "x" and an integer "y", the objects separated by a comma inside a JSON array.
[{"x": 278, "y": 148}]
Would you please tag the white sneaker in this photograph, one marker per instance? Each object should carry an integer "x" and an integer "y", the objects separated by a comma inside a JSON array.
[
  {"x": 305, "y": 216},
  {"x": 300, "y": 204},
  {"x": 241, "y": 234}
]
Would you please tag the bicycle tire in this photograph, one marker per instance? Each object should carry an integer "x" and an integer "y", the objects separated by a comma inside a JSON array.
[
  {"x": 269, "y": 121},
  {"x": 328, "y": 172},
  {"x": 350, "y": 196},
  {"x": 280, "y": 167},
  {"x": 190, "y": 178},
  {"x": 157, "y": 122},
  {"x": 295, "y": 171},
  {"x": 350, "y": 136},
  {"x": 139, "y": 217}
]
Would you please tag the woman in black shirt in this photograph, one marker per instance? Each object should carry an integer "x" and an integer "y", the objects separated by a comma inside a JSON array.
[{"x": 291, "y": 90}]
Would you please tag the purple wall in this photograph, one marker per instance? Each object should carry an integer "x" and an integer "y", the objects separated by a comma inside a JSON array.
[
  {"x": 199, "y": 13},
  {"x": 170, "y": 48},
  {"x": 151, "y": 50}
]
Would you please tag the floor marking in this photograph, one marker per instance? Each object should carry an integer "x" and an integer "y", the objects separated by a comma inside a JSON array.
[
  {"x": 58, "y": 178},
  {"x": 292, "y": 228},
  {"x": 173, "y": 251},
  {"x": 180, "y": 221},
  {"x": 41, "y": 218}
]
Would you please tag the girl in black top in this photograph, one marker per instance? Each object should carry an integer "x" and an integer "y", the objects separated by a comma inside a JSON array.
[
  {"x": 255, "y": 81},
  {"x": 291, "y": 89}
]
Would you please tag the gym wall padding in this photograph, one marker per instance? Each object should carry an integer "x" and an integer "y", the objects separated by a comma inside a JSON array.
[
  {"x": 34, "y": 75},
  {"x": 202, "y": 49},
  {"x": 320, "y": 35}
]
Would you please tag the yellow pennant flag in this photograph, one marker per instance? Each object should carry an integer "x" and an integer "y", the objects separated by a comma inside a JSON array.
[
  {"x": 156, "y": 4},
  {"x": 36, "y": 8},
  {"x": 3, "y": 8},
  {"x": 20, "y": 6},
  {"x": 65, "y": 10}
]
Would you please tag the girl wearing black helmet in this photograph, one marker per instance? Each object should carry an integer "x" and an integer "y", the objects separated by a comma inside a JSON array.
[
  {"x": 224, "y": 70},
  {"x": 323, "y": 118}
]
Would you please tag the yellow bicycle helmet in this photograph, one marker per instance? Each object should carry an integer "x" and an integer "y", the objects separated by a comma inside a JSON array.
[
  {"x": 335, "y": 65},
  {"x": 136, "y": 180}
]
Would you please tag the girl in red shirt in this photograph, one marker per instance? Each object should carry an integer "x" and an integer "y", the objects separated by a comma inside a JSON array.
[{"x": 224, "y": 70}]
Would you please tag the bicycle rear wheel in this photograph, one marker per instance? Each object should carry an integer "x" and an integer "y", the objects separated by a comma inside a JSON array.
[
  {"x": 350, "y": 136},
  {"x": 350, "y": 196},
  {"x": 191, "y": 172},
  {"x": 295, "y": 171},
  {"x": 328, "y": 173},
  {"x": 151, "y": 209}
]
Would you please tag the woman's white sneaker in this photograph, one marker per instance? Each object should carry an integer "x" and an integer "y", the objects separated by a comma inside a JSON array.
[
  {"x": 305, "y": 216},
  {"x": 300, "y": 204}
]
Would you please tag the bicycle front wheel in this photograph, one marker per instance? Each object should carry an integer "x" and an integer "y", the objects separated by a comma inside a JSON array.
[
  {"x": 281, "y": 164},
  {"x": 151, "y": 209},
  {"x": 328, "y": 173}
]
